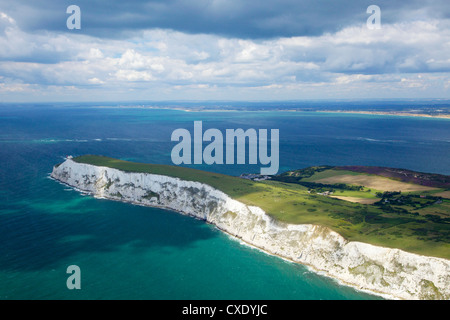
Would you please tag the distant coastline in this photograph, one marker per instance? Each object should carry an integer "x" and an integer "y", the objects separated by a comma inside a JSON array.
[
  {"x": 428, "y": 113},
  {"x": 390, "y": 113}
]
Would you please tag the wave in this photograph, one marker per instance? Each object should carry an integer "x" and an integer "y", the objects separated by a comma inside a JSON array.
[{"x": 379, "y": 140}]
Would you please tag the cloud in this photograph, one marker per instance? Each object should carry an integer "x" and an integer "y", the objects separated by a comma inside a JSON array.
[
  {"x": 224, "y": 49},
  {"x": 250, "y": 19}
]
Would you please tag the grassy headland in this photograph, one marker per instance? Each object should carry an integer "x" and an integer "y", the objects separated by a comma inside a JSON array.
[{"x": 414, "y": 218}]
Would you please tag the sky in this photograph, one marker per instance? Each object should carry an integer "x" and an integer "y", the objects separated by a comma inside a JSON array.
[{"x": 223, "y": 50}]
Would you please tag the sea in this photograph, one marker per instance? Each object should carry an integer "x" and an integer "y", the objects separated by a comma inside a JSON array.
[{"x": 126, "y": 251}]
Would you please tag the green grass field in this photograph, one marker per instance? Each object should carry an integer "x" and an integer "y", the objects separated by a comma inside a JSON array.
[{"x": 407, "y": 226}]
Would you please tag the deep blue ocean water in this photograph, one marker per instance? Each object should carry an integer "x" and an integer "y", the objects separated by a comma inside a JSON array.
[{"x": 131, "y": 252}]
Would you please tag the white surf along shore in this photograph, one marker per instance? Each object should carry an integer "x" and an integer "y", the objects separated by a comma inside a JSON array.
[{"x": 383, "y": 271}]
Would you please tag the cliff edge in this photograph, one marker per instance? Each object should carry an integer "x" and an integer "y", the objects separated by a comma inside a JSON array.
[{"x": 385, "y": 271}]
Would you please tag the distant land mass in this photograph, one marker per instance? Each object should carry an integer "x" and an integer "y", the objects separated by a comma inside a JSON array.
[{"x": 438, "y": 108}]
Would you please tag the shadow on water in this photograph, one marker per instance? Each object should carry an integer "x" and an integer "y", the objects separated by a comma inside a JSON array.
[
  {"x": 41, "y": 224},
  {"x": 39, "y": 236}
]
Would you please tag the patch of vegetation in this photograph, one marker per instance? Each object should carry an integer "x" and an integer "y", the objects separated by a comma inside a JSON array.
[
  {"x": 321, "y": 187},
  {"x": 108, "y": 184},
  {"x": 150, "y": 194},
  {"x": 430, "y": 291},
  {"x": 297, "y": 175},
  {"x": 117, "y": 195},
  {"x": 233, "y": 186}
]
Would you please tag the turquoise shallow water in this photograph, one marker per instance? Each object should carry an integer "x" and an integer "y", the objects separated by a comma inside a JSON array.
[{"x": 131, "y": 252}]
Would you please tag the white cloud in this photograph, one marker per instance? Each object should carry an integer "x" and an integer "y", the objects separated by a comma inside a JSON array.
[
  {"x": 95, "y": 81},
  {"x": 133, "y": 75},
  {"x": 352, "y": 61},
  {"x": 5, "y": 19}
]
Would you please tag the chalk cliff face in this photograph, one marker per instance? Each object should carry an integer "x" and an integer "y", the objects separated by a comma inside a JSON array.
[{"x": 381, "y": 270}]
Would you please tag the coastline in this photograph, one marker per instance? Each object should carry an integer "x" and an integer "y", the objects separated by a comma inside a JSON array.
[
  {"x": 388, "y": 113},
  {"x": 233, "y": 237},
  {"x": 385, "y": 272},
  {"x": 367, "y": 112},
  {"x": 309, "y": 267}
]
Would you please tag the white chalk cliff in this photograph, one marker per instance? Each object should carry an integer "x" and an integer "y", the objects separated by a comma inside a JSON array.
[{"x": 385, "y": 271}]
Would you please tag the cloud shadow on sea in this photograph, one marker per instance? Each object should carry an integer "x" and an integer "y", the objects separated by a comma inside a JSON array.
[{"x": 40, "y": 236}]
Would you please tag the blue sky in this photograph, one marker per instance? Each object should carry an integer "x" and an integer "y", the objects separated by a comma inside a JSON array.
[{"x": 223, "y": 50}]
